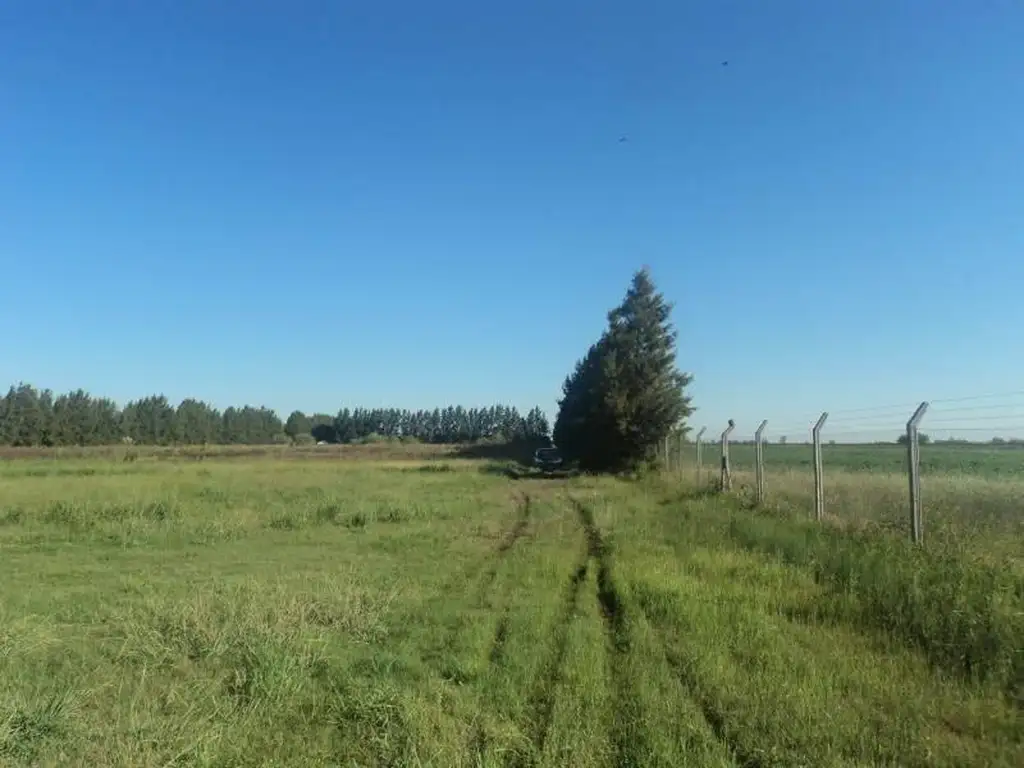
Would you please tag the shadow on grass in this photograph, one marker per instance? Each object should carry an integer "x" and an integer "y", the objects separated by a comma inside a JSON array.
[
  {"x": 505, "y": 469},
  {"x": 519, "y": 451},
  {"x": 516, "y": 471}
]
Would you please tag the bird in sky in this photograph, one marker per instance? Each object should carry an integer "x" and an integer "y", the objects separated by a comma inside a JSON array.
[{"x": 623, "y": 139}]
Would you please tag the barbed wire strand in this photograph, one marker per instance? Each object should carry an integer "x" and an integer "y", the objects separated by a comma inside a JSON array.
[
  {"x": 885, "y": 435},
  {"x": 845, "y": 418},
  {"x": 971, "y": 398},
  {"x": 972, "y": 419},
  {"x": 895, "y": 408},
  {"x": 1019, "y": 427},
  {"x": 977, "y": 408},
  {"x": 926, "y": 425}
]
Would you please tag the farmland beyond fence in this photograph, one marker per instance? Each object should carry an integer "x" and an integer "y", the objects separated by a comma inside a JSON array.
[{"x": 961, "y": 464}]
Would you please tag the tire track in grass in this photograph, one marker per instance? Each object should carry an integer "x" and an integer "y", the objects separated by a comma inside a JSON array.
[
  {"x": 498, "y": 647},
  {"x": 690, "y": 683},
  {"x": 541, "y": 702},
  {"x": 446, "y": 656},
  {"x": 490, "y": 563},
  {"x": 714, "y": 717},
  {"x": 524, "y": 505},
  {"x": 630, "y": 742},
  {"x": 578, "y": 733},
  {"x": 500, "y": 637},
  {"x": 514, "y": 535}
]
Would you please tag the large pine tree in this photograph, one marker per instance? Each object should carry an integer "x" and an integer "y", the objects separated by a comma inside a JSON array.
[
  {"x": 626, "y": 395},
  {"x": 581, "y": 424}
]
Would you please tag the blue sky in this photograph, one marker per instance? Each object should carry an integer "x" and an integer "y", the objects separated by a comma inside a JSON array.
[{"x": 319, "y": 204}]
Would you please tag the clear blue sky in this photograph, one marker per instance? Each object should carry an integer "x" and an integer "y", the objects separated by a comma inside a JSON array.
[{"x": 312, "y": 204}]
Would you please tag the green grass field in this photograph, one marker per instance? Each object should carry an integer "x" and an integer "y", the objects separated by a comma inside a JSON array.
[
  {"x": 310, "y": 611},
  {"x": 973, "y": 495},
  {"x": 936, "y": 459}
]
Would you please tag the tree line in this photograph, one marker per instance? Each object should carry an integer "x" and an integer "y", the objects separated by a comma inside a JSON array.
[
  {"x": 36, "y": 417},
  {"x": 454, "y": 424}
]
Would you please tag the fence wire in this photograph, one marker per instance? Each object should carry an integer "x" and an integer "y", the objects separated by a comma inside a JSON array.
[{"x": 963, "y": 463}]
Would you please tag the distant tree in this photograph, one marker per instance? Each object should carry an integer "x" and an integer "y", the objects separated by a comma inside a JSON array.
[
  {"x": 27, "y": 416},
  {"x": 106, "y": 420},
  {"x": 250, "y": 425},
  {"x": 626, "y": 395},
  {"x": 74, "y": 420},
  {"x": 297, "y": 424},
  {"x": 197, "y": 423},
  {"x": 324, "y": 428},
  {"x": 922, "y": 439},
  {"x": 149, "y": 421},
  {"x": 536, "y": 426}
]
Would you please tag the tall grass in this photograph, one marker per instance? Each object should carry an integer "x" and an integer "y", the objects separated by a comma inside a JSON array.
[
  {"x": 978, "y": 516},
  {"x": 879, "y": 458},
  {"x": 958, "y": 599},
  {"x": 382, "y": 612}
]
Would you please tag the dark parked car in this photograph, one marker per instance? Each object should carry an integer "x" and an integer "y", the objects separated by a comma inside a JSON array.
[{"x": 547, "y": 459}]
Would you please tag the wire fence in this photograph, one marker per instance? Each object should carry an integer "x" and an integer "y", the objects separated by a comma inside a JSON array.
[{"x": 946, "y": 460}]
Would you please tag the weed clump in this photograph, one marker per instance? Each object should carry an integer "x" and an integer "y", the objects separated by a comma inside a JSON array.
[{"x": 965, "y": 615}]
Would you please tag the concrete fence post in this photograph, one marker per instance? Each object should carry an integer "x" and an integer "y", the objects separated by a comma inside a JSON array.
[
  {"x": 759, "y": 461},
  {"x": 914, "y": 473},
  {"x": 700, "y": 456},
  {"x": 819, "y": 469},
  {"x": 726, "y": 470}
]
